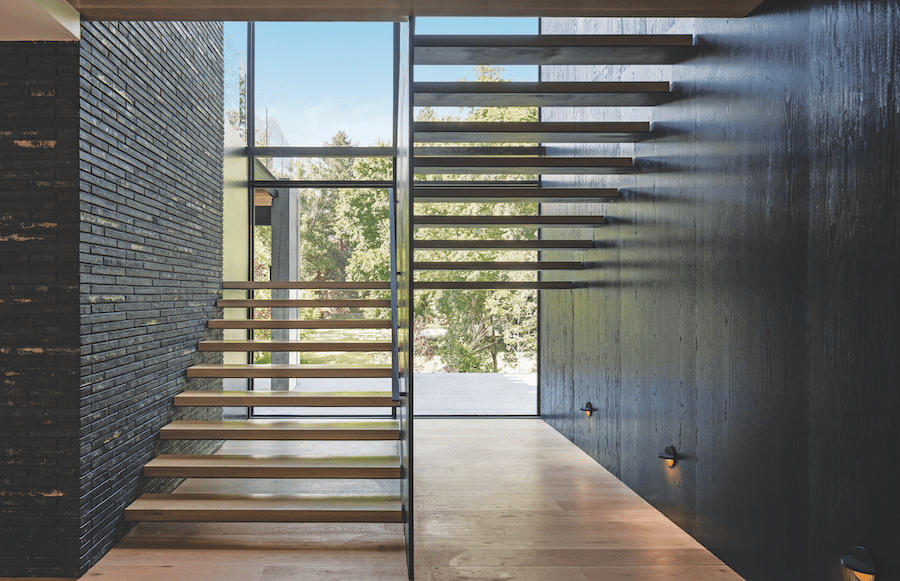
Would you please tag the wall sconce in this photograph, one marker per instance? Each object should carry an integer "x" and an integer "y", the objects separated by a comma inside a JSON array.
[
  {"x": 588, "y": 409},
  {"x": 669, "y": 456},
  {"x": 861, "y": 562}
]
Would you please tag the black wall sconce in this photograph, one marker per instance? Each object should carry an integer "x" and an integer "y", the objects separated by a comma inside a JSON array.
[
  {"x": 588, "y": 409},
  {"x": 669, "y": 456},
  {"x": 861, "y": 562}
]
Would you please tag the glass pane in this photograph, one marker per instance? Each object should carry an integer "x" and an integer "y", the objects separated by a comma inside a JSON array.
[
  {"x": 315, "y": 80},
  {"x": 235, "y": 117}
]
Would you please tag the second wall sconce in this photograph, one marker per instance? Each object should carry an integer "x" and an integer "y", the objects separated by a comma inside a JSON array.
[
  {"x": 669, "y": 456},
  {"x": 861, "y": 562},
  {"x": 588, "y": 409}
]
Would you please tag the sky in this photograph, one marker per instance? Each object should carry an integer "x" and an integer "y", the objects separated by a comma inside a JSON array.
[{"x": 317, "y": 78}]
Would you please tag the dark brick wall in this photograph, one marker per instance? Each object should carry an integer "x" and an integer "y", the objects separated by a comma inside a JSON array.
[
  {"x": 39, "y": 408},
  {"x": 118, "y": 136},
  {"x": 151, "y": 249}
]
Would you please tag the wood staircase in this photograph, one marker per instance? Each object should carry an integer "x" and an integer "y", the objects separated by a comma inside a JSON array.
[
  {"x": 498, "y": 163},
  {"x": 277, "y": 507},
  {"x": 454, "y": 147}
]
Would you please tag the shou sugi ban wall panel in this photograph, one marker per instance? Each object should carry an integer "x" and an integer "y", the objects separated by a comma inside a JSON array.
[{"x": 741, "y": 304}]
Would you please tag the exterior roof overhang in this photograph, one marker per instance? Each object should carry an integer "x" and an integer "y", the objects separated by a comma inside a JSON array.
[{"x": 397, "y": 10}]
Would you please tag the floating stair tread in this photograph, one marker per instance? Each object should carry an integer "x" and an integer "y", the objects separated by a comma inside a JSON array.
[
  {"x": 248, "y": 370},
  {"x": 506, "y": 221},
  {"x": 299, "y": 324},
  {"x": 263, "y": 508},
  {"x": 279, "y": 430},
  {"x": 492, "y": 285},
  {"x": 502, "y": 244},
  {"x": 529, "y": 132},
  {"x": 547, "y": 94},
  {"x": 285, "y": 399},
  {"x": 241, "y": 466},
  {"x": 522, "y": 165},
  {"x": 547, "y": 265},
  {"x": 306, "y": 303},
  {"x": 532, "y": 195},
  {"x": 311, "y": 346},
  {"x": 481, "y": 150},
  {"x": 551, "y": 49},
  {"x": 248, "y": 285}
]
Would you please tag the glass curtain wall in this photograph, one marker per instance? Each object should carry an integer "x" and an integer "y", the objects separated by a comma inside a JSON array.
[{"x": 330, "y": 85}]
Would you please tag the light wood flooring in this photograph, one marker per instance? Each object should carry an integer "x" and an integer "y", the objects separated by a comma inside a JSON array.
[{"x": 496, "y": 499}]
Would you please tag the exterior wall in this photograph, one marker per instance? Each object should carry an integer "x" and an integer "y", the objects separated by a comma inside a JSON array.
[
  {"x": 742, "y": 303},
  {"x": 125, "y": 126},
  {"x": 151, "y": 250},
  {"x": 39, "y": 344}
]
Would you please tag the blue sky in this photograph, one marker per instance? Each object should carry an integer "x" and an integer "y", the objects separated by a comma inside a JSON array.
[{"x": 316, "y": 78}]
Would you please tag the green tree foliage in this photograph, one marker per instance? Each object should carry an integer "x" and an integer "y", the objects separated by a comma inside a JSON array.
[
  {"x": 324, "y": 247},
  {"x": 345, "y": 236}
]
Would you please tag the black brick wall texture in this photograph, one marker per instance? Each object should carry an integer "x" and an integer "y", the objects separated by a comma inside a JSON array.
[{"x": 110, "y": 181}]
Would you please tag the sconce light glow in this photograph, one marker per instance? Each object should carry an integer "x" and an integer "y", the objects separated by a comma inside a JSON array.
[
  {"x": 861, "y": 562},
  {"x": 588, "y": 409},
  {"x": 669, "y": 456}
]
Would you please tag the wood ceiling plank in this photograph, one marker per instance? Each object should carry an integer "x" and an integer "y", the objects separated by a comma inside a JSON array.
[{"x": 396, "y": 10}]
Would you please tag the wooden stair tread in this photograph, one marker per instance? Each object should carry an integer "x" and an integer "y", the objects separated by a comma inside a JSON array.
[
  {"x": 263, "y": 508},
  {"x": 492, "y": 285},
  {"x": 481, "y": 150},
  {"x": 299, "y": 324},
  {"x": 502, "y": 244},
  {"x": 474, "y": 265},
  {"x": 285, "y": 399},
  {"x": 532, "y": 195},
  {"x": 310, "y": 346},
  {"x": 551, "y": 49},
  {"x": 279, "y": 430},
  {"x": 248, "y": 370},
  {"x": 538, "y": 94},
  {"x": 529, "y": 132},
  {"x": 247, "y": 285},
  {"x": 505, "y": 221},
  {"x": 291, "y": 303},
  {"x": 522, "y": 165},
  {"x": 245, "y": 466}
]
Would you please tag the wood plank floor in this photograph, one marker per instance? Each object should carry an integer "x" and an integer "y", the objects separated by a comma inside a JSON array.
[{"x": 495, "y": 499}]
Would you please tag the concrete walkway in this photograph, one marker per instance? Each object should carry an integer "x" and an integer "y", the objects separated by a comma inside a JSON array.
[{"x": 453, "y": 394}]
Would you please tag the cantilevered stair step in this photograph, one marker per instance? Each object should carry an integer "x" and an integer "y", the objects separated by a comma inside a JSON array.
[
  {"x": 517, "y": 195},
  {"x": 263, "y": 508},
  {"x": 530, "y": 132},
  {"x": 502, "y": 244},
  {"x": 507, "y": 221},
  {"x": 552, "y": 94},
  {"x": 542, "y": 49},
  {"x": 279, "y": 430},
  {"x": 247, "y": 285},
  {"x": 292, "y": 303},
  {"x": 299, "y": 324},
  {"x": 482, "y": 150},
  {"x": 493, "y": 285},
  {"x": 285, "y": 399},
  {"x": 546, "y": 265},
  {"x": 522, "y": 165},
  {"x": 311, "y": 346},
  {"x": 240, "y": 466},
  {"x": 250, "y": 370}
]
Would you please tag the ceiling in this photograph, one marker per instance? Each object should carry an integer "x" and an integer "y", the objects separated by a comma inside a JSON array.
[
  {"x": 395, "y": 10},
  {"x": 38, "y": 20},
  {"x": 60, "y": 19}
]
